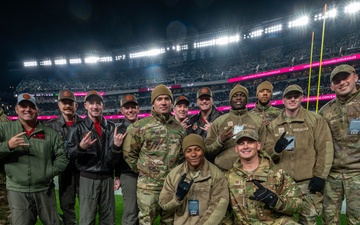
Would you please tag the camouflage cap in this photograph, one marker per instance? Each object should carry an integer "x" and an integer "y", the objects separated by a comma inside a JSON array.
[
  {"x": 204, "y": 91},
  {"x": 344, "y": 68},
  {"x": 160, "y": 90},
  {"x": 252, "y": 134},
  {"x": 191, "y": 140},
  {"x": 93, "y": 93},
  {"x": 26, "y": 97},
  {"x": 182, "y": 99},
  {"x": 127, "y": 99},
  {"x": 66, "y": 94},
  {"x": 293, "y": 87}
]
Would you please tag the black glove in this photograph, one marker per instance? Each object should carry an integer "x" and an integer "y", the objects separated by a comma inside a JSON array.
[
  {"x": 264, "y": 195},
  {"x": 282, "y": 143},
  {"x": 316, "y": 185},
  {"x": 183, "y": 187}
]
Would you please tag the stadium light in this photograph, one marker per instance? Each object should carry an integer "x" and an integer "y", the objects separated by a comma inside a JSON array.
[
  {"x": 273, "y": 29},
  {"x": 256, "y": 33},
  {"x": 352, "y": 8},
  {"x": 46, "y": 63},
  {"x": 302, "y": 21},
  {"x": 75, "y": 61},
  {"x": 105, "y": 59},
  {"x": 120, "y": 57},
  {"x": 30, "y": 63},
  {"x": 151, "y": 52},
  {"x": 60, "y": 62},
  {"x": 91, "y": 59},
  {"x": 329, "y": 14},
  {"x": 224, "y": 40}
]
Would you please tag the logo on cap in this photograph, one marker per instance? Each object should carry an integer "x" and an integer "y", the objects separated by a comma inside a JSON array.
[
  {"x": 26, "y": 96},
  {"x": 129, "y": 98},
  {"x": 66, "y": 94},
  {"x": 204, "y": 90}
]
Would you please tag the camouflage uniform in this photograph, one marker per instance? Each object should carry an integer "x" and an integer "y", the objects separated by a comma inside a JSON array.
[
  {"x": 5, "y": 215},
  {"x": 152, "y": 148},
  {"x": 225, "y": 154},
  {"x": 252, "y": 212},
  {"x": 267, "y": 113},
  {"x": 344, "y": 177},
  {"x": 311, "y": 154},
  {"x": 209, "y": 188}
]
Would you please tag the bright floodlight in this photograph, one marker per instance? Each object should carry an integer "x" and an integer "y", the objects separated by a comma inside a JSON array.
[
  {"x": 46, "y": 63},
  {"x": 329, "y": 14},
  {"x": 91, "y": 59},
  {"x": 60, "y": 61},
  {"x": 218, "y": 41},
  {"x": 352, "y": 8},
  {"x": 75, "y": 61},
  {"x": 119, "y": 57},
  {"x": 256, "y": 33},
  {"x": 273, "y": 29},
  {"x": 30, "y": 63},
  {"x": 151, "y": 52},
  {"x": 105, "y": 59},
  {"x": 302, "y": 21}
]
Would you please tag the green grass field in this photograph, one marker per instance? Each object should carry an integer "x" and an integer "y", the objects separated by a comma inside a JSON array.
[{"x": 119, "y": 209}]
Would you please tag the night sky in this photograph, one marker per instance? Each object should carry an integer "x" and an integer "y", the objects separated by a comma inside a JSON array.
[{"x": 52, "y": 28}]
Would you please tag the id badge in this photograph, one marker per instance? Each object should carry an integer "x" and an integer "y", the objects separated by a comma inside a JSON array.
[
  {"x": 291, "y": 146},
  {"x": 237, "y": 129},
  {"x": 354, "y": 127},
  {"x": 193, "y": 207}
]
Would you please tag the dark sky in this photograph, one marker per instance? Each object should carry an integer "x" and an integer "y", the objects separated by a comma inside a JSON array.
[{"x": 50, "y": 28}]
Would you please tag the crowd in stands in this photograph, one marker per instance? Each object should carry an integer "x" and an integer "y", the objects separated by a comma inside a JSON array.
[{"x": 199, "y": 71}]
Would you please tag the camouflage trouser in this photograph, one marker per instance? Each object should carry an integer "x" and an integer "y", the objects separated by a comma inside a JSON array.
[
  {"x": 334, "y": 193},
  {"x": 312, "y": 204},
  {"x": 5, "y": 215},
  {"x": 149, "y": 208}
]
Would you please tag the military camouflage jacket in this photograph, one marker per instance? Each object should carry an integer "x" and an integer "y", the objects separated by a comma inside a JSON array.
[
  {"x": 311, "y": 153},
  {"x": 251, "y": 212},
  {"x": 209, "y": 188},
  {"x": 339, "y": 115},
  {"x": 267, "y": 113},
  {"x": 152, "y": 147},
  {"x": 224, "y": 152}
]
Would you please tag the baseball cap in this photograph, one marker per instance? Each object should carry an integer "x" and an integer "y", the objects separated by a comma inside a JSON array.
[
  {"x": 127, "y": 99},
  {"x": 93, "y": 93},
  {"x": 293, "y": 87},
  {"x": 252, "y": 134},
  {"x": 344, "y": 68},
  {"x": 26, "y": 97},
  {"x": 66, "y": 94},
  {"x": 204, "y": 91},
  {"x": 180, "y": 99}
]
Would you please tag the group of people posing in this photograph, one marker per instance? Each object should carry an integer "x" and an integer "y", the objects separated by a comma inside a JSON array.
[{"x": 263, "y": 166}]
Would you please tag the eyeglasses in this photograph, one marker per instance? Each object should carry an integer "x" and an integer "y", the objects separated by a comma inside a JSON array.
[{"x": 290, "y": 96}]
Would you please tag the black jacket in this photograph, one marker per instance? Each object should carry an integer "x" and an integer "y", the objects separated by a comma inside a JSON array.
[
  {"x": 99, "y": 159},
  {"x": 122, "y": 166},
  {"x": 59, "y": 124},
  {"x": 196, "y": 122}
]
